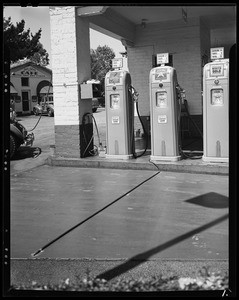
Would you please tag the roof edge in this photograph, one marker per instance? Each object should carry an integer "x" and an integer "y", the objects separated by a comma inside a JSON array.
[{"x": 20, "y": 65}]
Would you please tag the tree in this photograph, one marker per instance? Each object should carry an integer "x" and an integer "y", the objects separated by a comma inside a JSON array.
[
  {"x": 101, "y": 62},
  {"x": 22, "y": 44}
]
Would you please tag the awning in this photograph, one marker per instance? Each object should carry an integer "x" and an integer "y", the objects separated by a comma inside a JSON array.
[
  {"x": 13, "y": 90},
  {"x": 46, "y": 90}
]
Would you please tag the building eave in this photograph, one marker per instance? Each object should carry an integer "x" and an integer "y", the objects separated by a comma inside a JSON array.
[{"x": 29, "y": 63}]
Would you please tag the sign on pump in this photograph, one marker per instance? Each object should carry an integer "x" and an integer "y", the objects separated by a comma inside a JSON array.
[{"x": 217, "y": 53}]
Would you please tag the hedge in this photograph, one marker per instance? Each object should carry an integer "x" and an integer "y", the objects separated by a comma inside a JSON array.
[{"x": 205, "y": 280}]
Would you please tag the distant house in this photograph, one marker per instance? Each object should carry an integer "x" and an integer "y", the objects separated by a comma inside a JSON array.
[{"x": 29, "y": 82}]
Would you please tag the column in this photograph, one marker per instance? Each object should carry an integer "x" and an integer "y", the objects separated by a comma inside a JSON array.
[{"x": 70, "y": 48}]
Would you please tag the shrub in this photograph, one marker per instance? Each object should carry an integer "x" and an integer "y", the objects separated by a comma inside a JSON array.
[{"x": 205, "y": 280}]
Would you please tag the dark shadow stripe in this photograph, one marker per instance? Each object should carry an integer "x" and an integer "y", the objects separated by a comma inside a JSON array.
[{"x": 143, "y": 257}]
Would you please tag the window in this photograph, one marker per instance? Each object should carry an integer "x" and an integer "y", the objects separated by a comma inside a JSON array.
[
  {"x": 25, "y": 96},
  {"x": 25, "y": 81}
]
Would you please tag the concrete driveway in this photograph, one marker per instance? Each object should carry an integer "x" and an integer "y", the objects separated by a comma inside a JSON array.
[
  {"x": 47, "y": 201},
  {"x": 172, "y": 218}
]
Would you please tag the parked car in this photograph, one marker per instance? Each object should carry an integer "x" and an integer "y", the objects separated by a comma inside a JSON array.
[
  {"x": 13, "y": 114},
  {"x": 18, "y": 135},
  {"x": 98, "y": 96},
  {"x": 95, "y": 104},
  {"x": 46, "y": 106}
]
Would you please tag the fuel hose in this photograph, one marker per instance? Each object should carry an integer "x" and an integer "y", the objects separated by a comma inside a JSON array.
[
  {"x": 48, "y": 91},
  {"x": 191, "y": 155},
  {"x": 134, "y": 98}
]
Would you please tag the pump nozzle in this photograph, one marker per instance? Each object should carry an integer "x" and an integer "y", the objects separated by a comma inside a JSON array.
[{"x": 134, "y": 93}]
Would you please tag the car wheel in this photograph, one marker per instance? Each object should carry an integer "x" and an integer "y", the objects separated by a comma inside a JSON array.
[
  {"x": 49, "y": 113},
  {"x": 35, "y": 111},
  {"x": 13, "y": 146}
]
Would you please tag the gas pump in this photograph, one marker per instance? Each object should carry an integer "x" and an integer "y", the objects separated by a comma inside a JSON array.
[
  {"x": 165, "y": 109},
  {"x": 119, "y": 112},
  {"x": 215, "y": 108}
]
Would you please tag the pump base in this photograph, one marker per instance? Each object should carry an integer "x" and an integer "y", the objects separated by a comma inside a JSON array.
[
  {"x": 215, "y": 159},
  {"x": 165, "y": 158},
  {"x": 119, "y": 156}
]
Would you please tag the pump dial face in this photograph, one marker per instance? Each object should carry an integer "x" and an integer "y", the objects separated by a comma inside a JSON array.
[
  {"x": 161, "y": 99},
  {"x": 115, "y": 101},
  {"x": 114, "y": 77},
  {"x": 217, "y": 97}
]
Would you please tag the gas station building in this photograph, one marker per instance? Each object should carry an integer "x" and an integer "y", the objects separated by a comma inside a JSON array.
[{"x": 187, "y": 33}]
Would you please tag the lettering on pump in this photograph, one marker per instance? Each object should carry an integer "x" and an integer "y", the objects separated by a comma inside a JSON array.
[
  {"x": 115, "y": 120},
  {"x": 216, "y": 70},
  {"x": 162, "y": 119}
]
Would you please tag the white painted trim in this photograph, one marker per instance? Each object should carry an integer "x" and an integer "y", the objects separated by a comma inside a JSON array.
[
  {"x": 215, "y": 159},
  {"x": 87, "y": 11},
  {"x": 165, "y": 158},
  {"x": 119, "y": 156}
]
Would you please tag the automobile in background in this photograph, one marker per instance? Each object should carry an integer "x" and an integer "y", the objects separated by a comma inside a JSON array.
[
  {"x": 13, "y": 114},
  {"x": 98, "y": 94},
  {"x": 45, "y": 107},
  {"x": 98, "y": 99},
  {"x": 95, "y": 104},
  {"x": 18, "y": 135}
]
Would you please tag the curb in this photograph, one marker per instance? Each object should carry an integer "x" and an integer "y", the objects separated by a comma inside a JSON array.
[{"x": 183, "y": 166}]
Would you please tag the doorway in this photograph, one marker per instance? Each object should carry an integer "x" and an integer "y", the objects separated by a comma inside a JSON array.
[{"x": 25, "y": 101}]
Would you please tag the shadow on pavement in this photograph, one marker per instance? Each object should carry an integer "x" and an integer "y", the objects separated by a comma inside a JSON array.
[
  {"x": 212, "y": 200},
  {"x": 27, "y": 152},
  {"x": 143, "y": 257}
]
